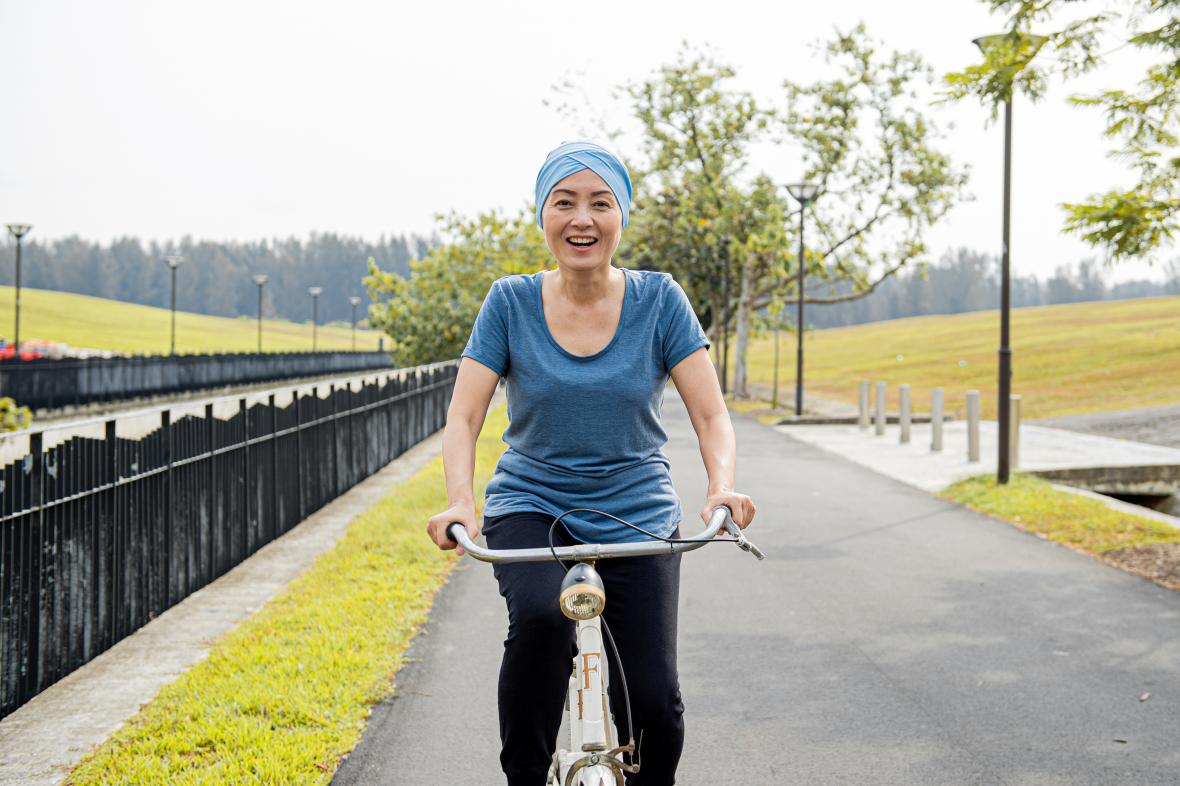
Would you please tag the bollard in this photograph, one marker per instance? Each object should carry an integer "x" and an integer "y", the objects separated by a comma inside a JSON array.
[
  {"x": 936, "y": 419},
  {"x": 879, "y": 415},
  {"x": 1014, "y": 432},
  {"x": 903, "y": 413},
  {"x": 862, "y": 399},
  {"x": 973, "y": 425}
]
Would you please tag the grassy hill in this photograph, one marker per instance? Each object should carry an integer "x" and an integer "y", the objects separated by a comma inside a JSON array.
[
  {"x": 84, "y": 321},
  {"x": 1067, "y": 359}
]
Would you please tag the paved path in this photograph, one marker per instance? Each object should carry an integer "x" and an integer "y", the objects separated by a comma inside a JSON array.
[{"x": 888, "y": 638}]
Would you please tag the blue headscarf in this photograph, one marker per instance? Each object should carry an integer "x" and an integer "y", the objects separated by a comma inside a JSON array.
[{"x": 571, "y": 157}]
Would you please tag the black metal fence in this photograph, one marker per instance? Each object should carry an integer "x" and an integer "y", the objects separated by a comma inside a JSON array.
[
  {"x": 45, "y": 383},
  {"x": 98, "y": 534}
]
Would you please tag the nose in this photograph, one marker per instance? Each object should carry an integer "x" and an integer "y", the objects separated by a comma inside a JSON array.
[{"x": 581, "y": 217}]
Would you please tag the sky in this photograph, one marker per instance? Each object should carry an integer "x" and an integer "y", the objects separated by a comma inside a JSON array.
[{"x": 250, "y": 120}]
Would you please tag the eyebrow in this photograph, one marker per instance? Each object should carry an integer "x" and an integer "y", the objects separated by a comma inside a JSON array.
[{"x": 575, "y": 193}]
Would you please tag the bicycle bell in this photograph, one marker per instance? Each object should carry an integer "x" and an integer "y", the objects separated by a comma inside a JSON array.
[{"x": 582, "y": 595}]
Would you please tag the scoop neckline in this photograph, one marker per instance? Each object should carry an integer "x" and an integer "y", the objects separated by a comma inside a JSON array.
[{"x": 540, "y": 277}]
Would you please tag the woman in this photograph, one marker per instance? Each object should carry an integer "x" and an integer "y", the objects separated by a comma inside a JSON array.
[{"x": 586, "y": 350}]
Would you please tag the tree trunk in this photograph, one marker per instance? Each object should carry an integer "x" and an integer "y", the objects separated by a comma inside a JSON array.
[{"x": 744, "y": 325}]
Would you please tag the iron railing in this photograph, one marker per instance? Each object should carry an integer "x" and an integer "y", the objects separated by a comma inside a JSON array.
[
  {"x": 46, "y": 383},
  {"x": 105, "y": 524}
]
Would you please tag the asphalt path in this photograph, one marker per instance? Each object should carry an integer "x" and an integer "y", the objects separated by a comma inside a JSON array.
[{"x": 888, "y": 638}]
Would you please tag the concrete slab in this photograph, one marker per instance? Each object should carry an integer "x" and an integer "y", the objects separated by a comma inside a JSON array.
[
  {"x": 1041, "y": 448},
  {"x": 48, "y": 735}
]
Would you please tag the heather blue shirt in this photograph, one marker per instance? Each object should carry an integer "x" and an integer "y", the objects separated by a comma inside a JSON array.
[{"x": 585, "y": 431}]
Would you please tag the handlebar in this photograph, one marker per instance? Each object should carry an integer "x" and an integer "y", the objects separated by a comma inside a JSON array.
[{"x": 593, "y": 551}]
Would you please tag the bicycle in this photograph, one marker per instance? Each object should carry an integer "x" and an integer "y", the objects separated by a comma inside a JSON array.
[{"x": 594, "y": 757}]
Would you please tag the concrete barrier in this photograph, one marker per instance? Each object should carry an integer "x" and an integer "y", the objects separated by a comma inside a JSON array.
[
  {"x": 936, "y": 407},
  {"x": 904, "y": 413},
  {"x": 973, "y": 425},
  {"x": 862, "y": 399},
  {"x": 879, "y": 417}
]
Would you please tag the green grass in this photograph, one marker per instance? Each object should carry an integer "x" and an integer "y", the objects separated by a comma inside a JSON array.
[
  {"x": 1068, "y": 359},
  {"x": 1070, "y": 519},
  {"x": 96, "y": 323},
  {"x": 284, "y": 697}
]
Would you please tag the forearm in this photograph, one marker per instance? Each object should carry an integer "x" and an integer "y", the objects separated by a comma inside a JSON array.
[
  {"x": 718, "y": 451},
  {"x": 458, "y": 451}
]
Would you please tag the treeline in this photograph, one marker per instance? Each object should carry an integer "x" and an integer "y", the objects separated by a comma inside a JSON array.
[
  {"x": 216, "y": 277},
  {"x": 965, "y": 280}
]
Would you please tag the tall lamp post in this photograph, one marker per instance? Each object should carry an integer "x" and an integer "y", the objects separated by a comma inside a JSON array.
[
  {"x": 804, "y": 194},
  {"x": 259, "y": 279},
  {"x": 173, "y": 261},
  {"x": 1029, "y": 45},
  {"x": 354, "y": 301},
  {"x": 315, "y": 319},
  {"x": 18, "y": 231}
]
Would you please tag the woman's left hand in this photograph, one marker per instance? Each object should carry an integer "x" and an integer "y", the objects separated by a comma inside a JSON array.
[{"x": 740, "y": 505}]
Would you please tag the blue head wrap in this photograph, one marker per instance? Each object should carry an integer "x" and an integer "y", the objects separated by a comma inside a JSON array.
[{"x": 571, "y": 157}]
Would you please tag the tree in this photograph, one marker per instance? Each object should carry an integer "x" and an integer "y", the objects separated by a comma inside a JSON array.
[
  {"x": 864, "y": 139},
  {"x": 1144, "y": 123},
  {"x": 428, "y": 315}
]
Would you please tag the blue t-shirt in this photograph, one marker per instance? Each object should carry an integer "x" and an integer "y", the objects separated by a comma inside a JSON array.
[{"x": 585, "y": 431}]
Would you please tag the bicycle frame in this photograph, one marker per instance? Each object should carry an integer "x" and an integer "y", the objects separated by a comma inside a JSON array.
[{"x": 594, "y": 755}]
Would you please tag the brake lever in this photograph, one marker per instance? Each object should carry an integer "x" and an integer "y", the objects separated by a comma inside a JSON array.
[{"x": 743, "y": 543}]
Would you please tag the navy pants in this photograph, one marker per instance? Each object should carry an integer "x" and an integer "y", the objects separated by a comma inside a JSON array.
[{"x": 641, "y": 605}]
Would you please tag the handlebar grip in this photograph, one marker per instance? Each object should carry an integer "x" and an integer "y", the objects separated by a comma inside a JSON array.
[{"x": 451, "y": 527}]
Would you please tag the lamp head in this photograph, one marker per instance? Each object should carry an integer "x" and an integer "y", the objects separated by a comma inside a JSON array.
[
  {"x": 19, "y": 230},
  {"x": 1028, "y": 43},
  {"x": 173, "y": 260},
  {"x": 803, "y": 192},
  {"x": 315, "y": 291},
  {"x": 259, "y": 279},
  {"x": 354, "y": 300}
]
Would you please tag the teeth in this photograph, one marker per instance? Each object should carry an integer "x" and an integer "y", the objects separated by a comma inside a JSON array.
[{"x": 582, "y": 241}]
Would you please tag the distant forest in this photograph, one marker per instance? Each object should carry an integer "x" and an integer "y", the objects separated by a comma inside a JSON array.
[
  {"x": 216, "y": 278},
  {"x": 965, "y": 280}
]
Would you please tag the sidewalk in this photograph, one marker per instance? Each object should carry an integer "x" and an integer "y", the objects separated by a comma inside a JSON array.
[{"x": 1041, "y": 448}]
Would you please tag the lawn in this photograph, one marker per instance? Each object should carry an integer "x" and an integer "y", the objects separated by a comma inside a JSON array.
[
  {"x": 1067, "y": 359},
  {"x": 83, "y": 321}
]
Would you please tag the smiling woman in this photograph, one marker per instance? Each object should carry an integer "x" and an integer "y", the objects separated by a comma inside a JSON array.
[{"x": 587, "y": 350}]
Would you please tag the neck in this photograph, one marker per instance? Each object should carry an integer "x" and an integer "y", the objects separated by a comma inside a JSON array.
[{"x": 585, "y": 286}]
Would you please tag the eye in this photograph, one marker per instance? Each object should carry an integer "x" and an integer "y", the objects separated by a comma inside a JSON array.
[
  {"x": 561, "y": 202},
  {"x": 602, "y": 203}
]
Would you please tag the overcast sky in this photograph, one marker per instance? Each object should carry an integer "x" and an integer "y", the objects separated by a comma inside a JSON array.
[{"x": 254, "y": 119}]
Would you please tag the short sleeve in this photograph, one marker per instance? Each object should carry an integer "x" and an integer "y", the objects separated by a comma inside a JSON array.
[
  {"x": 489, "y": 335},
  {"x": 680, "y": 329}
]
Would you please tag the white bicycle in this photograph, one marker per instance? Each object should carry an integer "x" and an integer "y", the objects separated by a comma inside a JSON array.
[{"x": 595, "y": 755}]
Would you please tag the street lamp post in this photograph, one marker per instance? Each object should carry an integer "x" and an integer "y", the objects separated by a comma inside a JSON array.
[
  {"x": 173, "y": 261},
  {"x": 315, "y": 320},
  {"x": 18, "y": 231},
  {"x": 804, "y": 194},
  {"x": 259, "y": 279},
  {"x": 354, "y": 301},
  {"x": 1029, "y": 44}
]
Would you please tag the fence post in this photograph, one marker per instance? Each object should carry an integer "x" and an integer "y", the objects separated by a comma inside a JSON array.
[
  {"x": 973, "y": 425},
  {"x": 211, "y": 493},
  {"x": 245, "y": 411},
  {"x": 166, "y": 429},
  {"x": 36, "y": 544},
  {"x": 1014, "y": 432},
  {"x": 936, "y": 406},
  {"x": 274, "y": 467},
  {"x": 862, "y": 399},
  {"x": 903, "y": 407},
  {"x": 879, "y": 415},
  {"x": 335, "y": 440},
  {"x": 298, "y": 458}
]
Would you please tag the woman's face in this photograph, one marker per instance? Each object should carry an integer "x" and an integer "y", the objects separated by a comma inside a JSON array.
[{"x": 583, "y": 222}]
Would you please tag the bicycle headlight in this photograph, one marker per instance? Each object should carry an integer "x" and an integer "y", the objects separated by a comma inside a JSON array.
[{"x": 582, "y": 595}]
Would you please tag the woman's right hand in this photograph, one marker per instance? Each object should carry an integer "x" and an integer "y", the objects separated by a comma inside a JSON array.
[{"x": 436, "y": 528}]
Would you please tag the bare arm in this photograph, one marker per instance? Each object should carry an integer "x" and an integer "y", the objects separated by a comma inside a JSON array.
[
  {"x": 474, "y": 387},
  {"x": 696, "y": 380}
]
